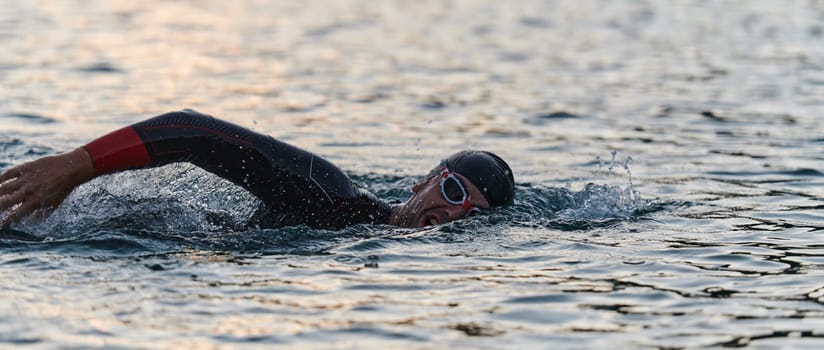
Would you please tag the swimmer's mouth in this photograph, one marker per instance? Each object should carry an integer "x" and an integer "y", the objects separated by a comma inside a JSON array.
[{"x": 431, "y": 220}]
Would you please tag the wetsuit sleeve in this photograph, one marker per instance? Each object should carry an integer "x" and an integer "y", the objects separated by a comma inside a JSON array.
[{"x": 304, "y": 186}]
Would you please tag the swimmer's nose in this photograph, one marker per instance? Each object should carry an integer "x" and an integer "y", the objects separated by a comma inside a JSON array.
[{"x": 455, "y": 212}]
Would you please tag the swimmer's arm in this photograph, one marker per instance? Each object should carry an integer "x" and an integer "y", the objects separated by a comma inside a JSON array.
[
  {"x": 42, "y": 184},
  {"x": 186, "y": 136},
  {"x": 275, "y": 172}
]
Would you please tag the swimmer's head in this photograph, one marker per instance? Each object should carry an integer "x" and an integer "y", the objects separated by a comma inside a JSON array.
[
  {"x": 488, "y": 172},
  {"x": 463, "y": 184}
]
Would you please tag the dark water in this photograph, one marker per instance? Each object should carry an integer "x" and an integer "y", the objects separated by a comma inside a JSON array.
[{"x": 669, "y": 159}]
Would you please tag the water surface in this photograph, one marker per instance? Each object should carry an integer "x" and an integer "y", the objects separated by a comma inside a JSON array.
[{"x": 668, "y": 158}]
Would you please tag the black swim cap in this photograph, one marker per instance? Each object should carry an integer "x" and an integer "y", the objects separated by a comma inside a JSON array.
[{"x": 488, "y": 172}]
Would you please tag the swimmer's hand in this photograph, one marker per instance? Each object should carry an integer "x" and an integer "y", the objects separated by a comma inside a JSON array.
[{"x": 41, "y": 185}]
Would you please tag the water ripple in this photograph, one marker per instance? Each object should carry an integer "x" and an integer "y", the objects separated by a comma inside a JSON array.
[{"x": 711, "y": 240}]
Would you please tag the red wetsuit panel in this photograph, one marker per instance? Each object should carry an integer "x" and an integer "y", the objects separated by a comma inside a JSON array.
[{"x": 119, "y": 150}]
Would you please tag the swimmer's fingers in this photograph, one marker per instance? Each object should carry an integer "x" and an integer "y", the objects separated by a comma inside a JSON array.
[
  {"x": 10, "y": 174},
  {"x": 42, "y": 184},
  {"x": 8, "y": 202},
  {"x": 24, "y": 202},
  {"x": 26, "y": 208},
  {"x": 10, "y": 187}
]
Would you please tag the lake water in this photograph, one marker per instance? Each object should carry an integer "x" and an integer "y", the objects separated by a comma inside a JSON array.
[{"x": 669, "y": 157}]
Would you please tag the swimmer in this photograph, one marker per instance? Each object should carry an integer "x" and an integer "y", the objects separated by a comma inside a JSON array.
[{"x": 295, "y": 186}]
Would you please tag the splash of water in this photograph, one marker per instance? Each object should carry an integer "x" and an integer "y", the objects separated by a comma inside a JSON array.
[
  {"x": 594, "y": 205},
  {"x": 178, "y": 198}
]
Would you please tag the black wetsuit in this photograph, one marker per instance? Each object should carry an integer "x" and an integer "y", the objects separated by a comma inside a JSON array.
[{"x": 295, "y": 186}]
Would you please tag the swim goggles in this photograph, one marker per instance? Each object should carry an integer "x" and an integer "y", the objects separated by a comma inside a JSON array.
[{"x": 454, "y": 192}]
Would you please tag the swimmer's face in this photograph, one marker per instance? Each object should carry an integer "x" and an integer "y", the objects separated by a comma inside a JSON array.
[{"x": 427, "y": 206}]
